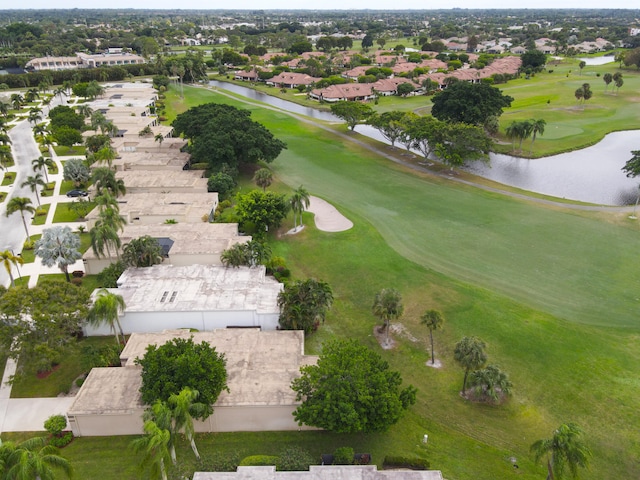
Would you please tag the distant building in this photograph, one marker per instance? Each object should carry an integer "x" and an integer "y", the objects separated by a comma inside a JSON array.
[
  {"x": 83, "y": 60},
  {"x": 318, "y": 472}
]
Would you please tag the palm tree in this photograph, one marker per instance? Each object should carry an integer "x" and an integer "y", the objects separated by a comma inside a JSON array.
[
  {"x": 33, "y": 181},
  {"x": 608, "y": 78},
  {"x": 106, "y": 309},
  {"x": 9, "y": 260},
  {"x": 184, "y": 409},
  {"x": 155, "y": 447},
  {"x": 104, "y": 179},
  {"x": 85, "y": 110},
  {"x": 111, "y": 216},
  {"x": 35, "y": 115},
  {"x": 142, "y": 252},
  {"x": 159, "y": 138},
  {"x": 433, "y": 320},
  {"x": 32, "y": 459},
  {"x": 387, "y": 306},
  {"x": 16, "y": 101},
  {"x": 617, "y": 78},
  {"x": 20, "y": 204},
  {"x": 491, "y": 382},
  {"x": 161, "y": 414},
  {"x": 565, "y": 449},
  {"x": 299, "y": 201},
  {"x": 31, "y": 95},
  {"x": 513, "y": 131},
  {"x": 97, "y": 120},
  {"x": 469, "y": 353},
  {"x": 263, "y": 178},
  {"x": 58, "y": 246},
  {"x": 106, "y": 200},
  {"x": 6, "y": 157},
  {"x": 5, "y": 139},
  {"x": 102, "y": 236},
  {"x": 537, "y": 127},
  {"x": 43, "y": 163}
]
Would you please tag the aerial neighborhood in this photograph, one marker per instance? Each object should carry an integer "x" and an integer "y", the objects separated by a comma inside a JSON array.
[{"x": 360, "y": 245}]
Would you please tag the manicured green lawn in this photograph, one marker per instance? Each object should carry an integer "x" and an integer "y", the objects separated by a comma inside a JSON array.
[
  {"x": 62, "y": 377},
  {"x": 29, "y": 255},
  {"x": 8, "y": 178},
  {"x": 550, "y": 296},
  {"x": 63, "y": 214},
  {"x": 66, "y": 151},
  {"x": 41, "y": 214},
  {"x": 66, "y": 186}
]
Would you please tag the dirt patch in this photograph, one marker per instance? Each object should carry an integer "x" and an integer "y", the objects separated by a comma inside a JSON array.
[
  {"x": 42, "y": 375},
  {"x": 436, "y": 364},
  {"x": 379, "y": 333}
]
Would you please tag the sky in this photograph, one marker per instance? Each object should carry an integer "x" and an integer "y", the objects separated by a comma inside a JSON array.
[{"x": 324, "y": 4}]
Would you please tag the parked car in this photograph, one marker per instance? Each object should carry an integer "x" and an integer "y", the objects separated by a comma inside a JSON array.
[{"x": 76, "y": 193}]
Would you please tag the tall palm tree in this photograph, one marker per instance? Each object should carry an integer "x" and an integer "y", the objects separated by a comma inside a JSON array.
[
  {"x": 10, "y": 260},
  {"x": 111, "y": 216},
  {"x": 5, "y": 139},
  {"x": 17, "y": 101},
  {"x": 20, "y": 204},
  {"x": 104, "y": 179},
  {"x": 608, "y": 78},
  {"x": 32, "y": 459},
  {"x": 537, "y": 127},
  {"x": 33, "y": 181},
  {"x": 155, "y": 447},
  {"x": 97, "y": 120},
  {"x": 433, "y": 320},
  {"x": 470, "y": 355},
  {"x": 184, "y": 408},
  {"x": 159, "y": 138},
  {"x": 35, "y": 115},
  {"x": 387, "y": 306},
  {"x": 565, "y": 449},
  {"x": 6, "y": 157},
  {"x": 85, "y": 110},
  {"x": 299, "y": 201},
  {"x": 161, "y": 414},
  {"x": 106, "y": 309},
  {"x": 31, "y": 95},
  {"x": 102, "y": 236},
  {"x": 106, "y": 200},
  {"x": 44, "y": 164}
]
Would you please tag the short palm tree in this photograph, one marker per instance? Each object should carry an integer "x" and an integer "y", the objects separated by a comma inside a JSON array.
[
  {"x": 433, "y": 320},
  {"x": 159, "y": 138},
  {"x": 106, "y": 309},
  {"x": 184, "y": 408},
  {"x": 32, "y": 459},
  {"x": 104, "y": 178},
  {"x": 491, "y": 383},
  {"x": 564, "y": 450},
  {"x": 142, "y": 252},
  {"x": 470, "y": 355},
  {"x": 10, "y": 260},
  {"x": 104, "y": 236},
  {"x": 537, "y": 127},
  {"x": 20, "y": 204},
  {"x": 299, "y": 201},
  {"x": 263, "y": 178},
  {"x": 6, "y": 157},
  {"x": 155, "y": 447},
  {"x": 43, "y": 163},
  {"x": 33, "y": 182},
  {"x": 387, "y": 306}
]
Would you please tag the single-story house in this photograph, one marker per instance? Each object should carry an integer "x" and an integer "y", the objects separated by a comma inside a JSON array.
[
  {"x": 188, "y": 181},
  {"x": 356, "y": 72},
  {"x": 250, "y": 76},
  {"x": 389, "y": 86},
  {"x": 292, "y": 80},
  {"x": 157, "y": 208},
  {"x": 167, "y": 159},
  {"x": 260, "y": 368},
  {"x": 204, "y": 297},
  {"x": 183, "y": 243},
  {"x": 346, "y": 91},
  {"x": 317, "y": 472}
]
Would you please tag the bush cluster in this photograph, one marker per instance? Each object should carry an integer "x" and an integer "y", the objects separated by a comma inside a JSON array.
[
  {"x": 259, "y": 460},
  {"x": 413, "y": 463}
]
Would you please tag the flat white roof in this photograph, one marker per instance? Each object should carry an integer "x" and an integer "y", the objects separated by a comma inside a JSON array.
[
  {"x": 202, "y": 288},
  {"x": 164, "y": 179},
  {"x": 260, "y": 368}
]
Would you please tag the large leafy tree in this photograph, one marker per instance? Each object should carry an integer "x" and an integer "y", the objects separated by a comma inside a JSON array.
[
  {"x": 352, "y": 113},
  {"x": 387, "y": 306},
  {"x": 433, "y": 320},
  {"x": 58, "y": 246},
  {"x": 180, "y": 363},
  {"x": 56, "y": 311},
  {"x": 32, "y": 459},
  {"x": 390, "y": 124},
  {"x": 304, "y": 304},
  {"x": 350, "y": 390},
  {"x": 76, "y": 171},
  {"x": 21, "y": 205},
  {"x": 106, "y": 308},
  {"x": 224, "y": 134},
  {"x": 469, "y": 103},
  {"x": 462, "y": 142},
  {"x": 144, "y": 251},
  {"x": 262, "y": 209},
  {"x": 470, "y": 355},
  {"x": 565, "y": 450}
]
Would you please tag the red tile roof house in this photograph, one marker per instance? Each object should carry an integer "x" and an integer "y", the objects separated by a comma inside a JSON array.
[
  {"x": 347, "y": 91},
  {"x": 251, "y": 76},
  {"x": 389, "y": 86},
  {"x": 292, "y": 80},
  {"x": 356, "y": 72}
]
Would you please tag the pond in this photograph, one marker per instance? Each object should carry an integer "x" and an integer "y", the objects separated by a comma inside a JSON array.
[
  {"x": 590, "y": 175},
  {"x": 597, "y": 60}
]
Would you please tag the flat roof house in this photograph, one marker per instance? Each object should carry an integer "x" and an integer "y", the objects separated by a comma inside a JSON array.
[
  {"x": 316, "y": 472},
  {"x": 260, "y": 368}
]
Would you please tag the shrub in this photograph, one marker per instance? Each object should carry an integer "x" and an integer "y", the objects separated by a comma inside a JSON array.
[
  {"x": 55, "y": 424},
  {"x": 76, "y": 281},
  {"x": 199, "y": 166},
  {"x": 77, "y": 274},
  {"x": 108, "y": 277},
  {"x": 219, "y": 462},
  {"x": 62, "y": 441},
  {"x": 413, "y": 463},
  {"x": 259, "y": 461},
  {"x": 293, "y": 459},
  {"x": 343, "y": 456},
  {"x": 79, "y": 382},
  {"x": 40, "y": 212}
]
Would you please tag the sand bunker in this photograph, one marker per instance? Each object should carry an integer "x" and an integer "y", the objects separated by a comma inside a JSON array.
[{"x": 327, "y": 218}]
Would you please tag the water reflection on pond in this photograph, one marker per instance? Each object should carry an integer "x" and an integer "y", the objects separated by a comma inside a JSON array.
[{"x": 591, "y": 175}]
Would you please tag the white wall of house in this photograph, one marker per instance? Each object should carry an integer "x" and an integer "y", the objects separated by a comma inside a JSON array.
[
  {"x": 249, "y": 418},
  {"x": 203, "y": 321}
]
